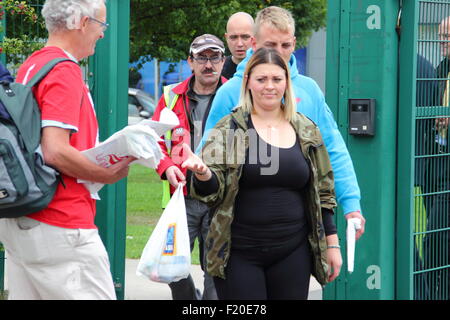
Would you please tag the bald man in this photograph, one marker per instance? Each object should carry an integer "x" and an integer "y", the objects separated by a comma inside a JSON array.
[{"x": 239, "y": 38}]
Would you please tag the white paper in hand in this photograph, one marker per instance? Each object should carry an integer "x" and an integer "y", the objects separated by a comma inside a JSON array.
[
  {"x": 139, "y": 140},
  {"x": 353, "y": 224}
]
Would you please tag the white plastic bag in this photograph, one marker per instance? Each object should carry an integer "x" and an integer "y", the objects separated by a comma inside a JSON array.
[{"x": 167, "y": 256}]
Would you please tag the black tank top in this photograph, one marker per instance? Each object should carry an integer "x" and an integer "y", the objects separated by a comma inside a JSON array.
[{"x": 270, "y": 208}]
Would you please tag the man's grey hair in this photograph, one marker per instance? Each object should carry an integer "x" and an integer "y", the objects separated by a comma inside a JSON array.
[{"x": 62, "y": 15}]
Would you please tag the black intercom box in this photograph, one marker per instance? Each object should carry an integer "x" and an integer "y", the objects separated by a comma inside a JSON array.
[{"x": 361, "y": 117}]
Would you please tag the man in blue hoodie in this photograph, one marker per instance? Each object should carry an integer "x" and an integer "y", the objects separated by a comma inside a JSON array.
[{"x": 275, "y": 28}]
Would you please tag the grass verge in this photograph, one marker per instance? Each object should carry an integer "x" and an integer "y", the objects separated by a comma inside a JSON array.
[{"x": 144, "y": 191}]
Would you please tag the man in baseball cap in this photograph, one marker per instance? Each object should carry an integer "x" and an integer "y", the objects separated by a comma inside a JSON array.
[
  {"x": 207, "y": 41},
  {"x": 191, "y": 100}
]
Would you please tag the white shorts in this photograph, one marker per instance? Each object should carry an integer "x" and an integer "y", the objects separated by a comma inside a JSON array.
[{"x": 52, "y": 263}]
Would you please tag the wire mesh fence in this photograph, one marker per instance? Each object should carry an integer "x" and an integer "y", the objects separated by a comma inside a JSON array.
[
  {"x": 431, "y": 232},
  {"x": 22, "y": 31}
]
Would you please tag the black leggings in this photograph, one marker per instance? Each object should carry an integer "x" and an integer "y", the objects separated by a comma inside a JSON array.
[{"x": 267, "y": 274}]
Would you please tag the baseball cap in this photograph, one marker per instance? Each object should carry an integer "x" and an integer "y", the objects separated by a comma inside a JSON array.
[{"x": 207, "y": 41}]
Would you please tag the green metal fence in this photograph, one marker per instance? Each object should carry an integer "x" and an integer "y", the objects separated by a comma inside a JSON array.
[
  {"x": 423, "y": 215},
  {"x": 431, "y": 228},
  {"x": 362, "y": 49},
  {"x": 393, "y": 51}
]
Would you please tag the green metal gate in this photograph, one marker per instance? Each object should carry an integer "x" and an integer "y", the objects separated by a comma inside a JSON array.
[
  {"x": 107, "y": 76},
  {"x": 423, "y": 110},
  {"x": 362, "y": 49},
  {"x": 390, "y": 51}
]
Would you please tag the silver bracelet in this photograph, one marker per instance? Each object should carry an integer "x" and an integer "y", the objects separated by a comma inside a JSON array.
[{"x": 336, "y": 246}]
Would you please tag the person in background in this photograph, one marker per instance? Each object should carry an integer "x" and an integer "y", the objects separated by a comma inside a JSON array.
[
  {"x": 239, "y": 36},
  {"x": 437, "y": 177},
  {"x": 5, "y": 76},
  {"x": 275, "y": 28},
  {"x": 57, "y": 253},
  {"x": 272, "y": 229},
  {"x": 192, "y": 102}
]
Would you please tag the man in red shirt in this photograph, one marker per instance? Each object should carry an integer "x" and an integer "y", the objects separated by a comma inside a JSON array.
[{"x": 57, "y": 253}]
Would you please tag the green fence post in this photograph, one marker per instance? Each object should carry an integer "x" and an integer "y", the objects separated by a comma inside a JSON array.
[
  {"x": 362, "y": 48},
  {"x": 406, "y": 142},
  {"x": 110, "y": 87},
  {"x": 332, "y": 98},
  {"x": 2, "y": 251},
  {"x": 2, "y": 269}
]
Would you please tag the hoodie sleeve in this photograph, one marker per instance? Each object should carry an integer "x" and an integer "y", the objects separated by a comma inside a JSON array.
[
  {"x": 225, "y": 100},
  {"x": 346, "y": 185}
]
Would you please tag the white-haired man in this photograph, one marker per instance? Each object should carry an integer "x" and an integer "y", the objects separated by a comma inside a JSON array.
[{"x": 57, "y": 253}]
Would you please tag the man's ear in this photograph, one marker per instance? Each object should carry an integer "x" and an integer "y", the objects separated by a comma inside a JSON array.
[
  {"x": 189, "y": 61},
  {"x": 253, "y": 41},
  {"x": 84, "y": 22}
]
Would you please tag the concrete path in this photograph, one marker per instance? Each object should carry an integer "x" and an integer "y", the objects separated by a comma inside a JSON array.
[{"x": 139, "y": 288}]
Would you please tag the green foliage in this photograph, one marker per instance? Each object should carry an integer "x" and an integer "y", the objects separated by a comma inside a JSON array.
[
  {"x": 17, "y": 49},
  {"x": 164, "y": 29},
  {"x": 25, "y": 30},
  {"x": 3, "y": 295}
]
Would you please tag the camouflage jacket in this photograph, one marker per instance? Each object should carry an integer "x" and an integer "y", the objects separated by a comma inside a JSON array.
[{"x": 225, "y": 152}]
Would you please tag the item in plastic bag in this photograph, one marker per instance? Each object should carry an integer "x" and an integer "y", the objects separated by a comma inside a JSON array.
[{"x": 167, "y": 255}]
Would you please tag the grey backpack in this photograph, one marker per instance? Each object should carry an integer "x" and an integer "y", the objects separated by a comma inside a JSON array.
[{"x": 27, "y": 185}]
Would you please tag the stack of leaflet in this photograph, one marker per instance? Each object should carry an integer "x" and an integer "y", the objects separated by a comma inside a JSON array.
[{"x": 139, "y": 140}]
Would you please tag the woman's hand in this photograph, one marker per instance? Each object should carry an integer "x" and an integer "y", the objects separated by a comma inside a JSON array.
[
  {"x": 334, "y": 261},
  {"x": 195, "y": 164},
  {"x": 334, "y": 258}
]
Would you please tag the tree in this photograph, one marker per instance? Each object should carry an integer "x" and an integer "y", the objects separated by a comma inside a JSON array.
[
  {"x": 25, "y": 31},
  {"x": 164, "y": 29}
]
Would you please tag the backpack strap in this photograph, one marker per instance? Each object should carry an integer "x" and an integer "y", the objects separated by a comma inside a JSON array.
[
  {"x": 170, "y": 98},
  {"x": 45, "y": 70}
]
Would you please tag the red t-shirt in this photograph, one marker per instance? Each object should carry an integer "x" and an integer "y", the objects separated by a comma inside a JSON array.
[{"x": 65, "y": 102}]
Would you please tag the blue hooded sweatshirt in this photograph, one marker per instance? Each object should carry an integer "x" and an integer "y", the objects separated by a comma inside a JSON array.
[{"x": 310, "y": 102}]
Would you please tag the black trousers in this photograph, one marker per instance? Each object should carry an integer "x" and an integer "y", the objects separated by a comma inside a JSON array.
[{"x": 271, "y": 273}]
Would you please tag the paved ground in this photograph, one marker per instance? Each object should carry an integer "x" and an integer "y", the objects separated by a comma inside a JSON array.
[{"x": 139, "y": 288}]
